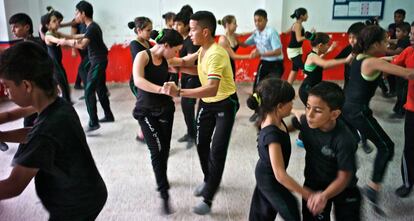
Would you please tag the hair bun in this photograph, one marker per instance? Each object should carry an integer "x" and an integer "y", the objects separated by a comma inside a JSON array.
[
  {"x": 252, "y": 103},
  {"x": 154, "y": 34},
  {"x": 131, "y": 25},
  {"x": 220, "y": 22},
  {"x": 49, "y": 9}
]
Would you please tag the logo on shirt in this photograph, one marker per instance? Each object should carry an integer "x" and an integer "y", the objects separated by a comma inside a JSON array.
[{"x": 328, "y": 152}]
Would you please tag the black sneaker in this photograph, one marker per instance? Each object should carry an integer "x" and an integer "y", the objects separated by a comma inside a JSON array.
[
  {"x": 185, "y": 138},
  {"x": 165, "y": 207},
  {"x": 3, "y": 146},
  {"x": 396, "y": 115},
  {"x": 254, "y": 117},
  {"x": 372, "y": 196},
  {"x": 403, "y": 191},
  {"x": 90, "y": 128},
  {"x": 390, "y": 94},
  {"x": 190, "y": 143},
  {"x": 107, "y": 119},
  {"x": 77, "y": 87},
  {"x": 366, "y": 147}
]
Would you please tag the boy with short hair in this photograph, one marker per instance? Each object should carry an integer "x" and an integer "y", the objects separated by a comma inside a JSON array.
[
  {"x": 55, "y": 151},
  {"x": 268, "y": 48},
  {"x": 401, "y": 84},
  {"x": 330, "y": 156},
  {"x": 98, "y": 57},
  {"x": 22, "y": 27},
  {"x": 399, "y": 16},
  {"x": 406, "y": 59}
]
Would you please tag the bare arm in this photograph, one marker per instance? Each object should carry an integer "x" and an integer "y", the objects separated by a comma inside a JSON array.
[
  {"x": 226, "y": 45},
  {"x": 276, "y": 159},
  {"x": 327, "y": 63},
  {"x": 15, "y": 136},
  {"x": 187, "y": 60},
  {"x": 71, "y": 36},
  {"x": 208, "y": 90},
  {"x": 17, "y": 181},
  {"x": 16, "y": 114},
  {"x": 371, "y": 65}
]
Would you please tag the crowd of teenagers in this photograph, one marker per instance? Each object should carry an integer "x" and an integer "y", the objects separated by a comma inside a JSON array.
[{"x": 184, "y": 60}]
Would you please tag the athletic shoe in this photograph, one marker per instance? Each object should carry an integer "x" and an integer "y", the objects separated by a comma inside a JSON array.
[
  {"x": 199, "y": 189},
  {"x": 299, "y": 143},
  {"x": 90, "y": 128},
  {"x": 202, "y": 208},
  {"x": 366, "y": 147},
  {"x": 3, "y": 146},
  {"x": 185, "y": 138},
  {"x": 372, "y": 196},
  {"x": 254, "y": 117},
  {"x": 107, "y": 119},
  {"x": 403, "y": 191}
]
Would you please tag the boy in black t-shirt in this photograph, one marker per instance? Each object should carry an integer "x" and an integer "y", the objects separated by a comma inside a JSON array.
[
  {"x": 66, "y": 178},
  {"x": 330, "y": 156},
  {"x": 98, "y": 57}
]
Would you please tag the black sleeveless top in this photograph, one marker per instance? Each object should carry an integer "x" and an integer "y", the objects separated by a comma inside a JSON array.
[
  {"x": 233, "y": 64},
  {"x": 293, "y": 41},
  {"x": 158, "y": 75},
  {"x": 313, "y": 72},
  {"x": 55, "y": 52},
  {"x": 359, "y": 90}
]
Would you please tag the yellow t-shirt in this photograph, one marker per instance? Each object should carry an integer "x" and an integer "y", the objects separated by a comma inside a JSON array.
[{"x": 216, "y": 65}]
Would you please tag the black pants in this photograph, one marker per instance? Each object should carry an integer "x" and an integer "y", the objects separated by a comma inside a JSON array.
[
  {"x": 219, "y": 118},
  {"x": 188, "y": 104},
  {"x": 83, "y": 69},
  {"x": 402, "y": 89},
  {"x": 270, "y": 198},
  {"x": 407, "y": 163},
  {"x": 297, "y": 63},
  {"x": 347, "y": 206},
  {"x": 268, "y": 69},
  {"x": 360, "y": 117},
  {"x": 157, "y": 130},
  {"x": 392, "y": 83},
  {"x": 62, "y": 80},
  {"x": 96, "y": 82}
]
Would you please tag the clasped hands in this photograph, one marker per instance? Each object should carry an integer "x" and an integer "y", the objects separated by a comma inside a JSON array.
[
  {"x": 316, "y": 203},
  {"x": 170, "y": 88}
]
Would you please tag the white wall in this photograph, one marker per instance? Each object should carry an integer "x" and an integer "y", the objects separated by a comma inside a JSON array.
[
  {"x": 113, "y": 16},
  {"x": 4, "y": 27},
  {"x": 320, "y": 14}
]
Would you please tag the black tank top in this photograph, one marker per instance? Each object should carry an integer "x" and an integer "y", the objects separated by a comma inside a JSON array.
[
  {"x": 359, "y": 90},
  {"x": 156, "y": 75},
  {"x": 55, "y": 52},
  {"x": 293, "y": 41},
  {"x": 314, "y": 76}
]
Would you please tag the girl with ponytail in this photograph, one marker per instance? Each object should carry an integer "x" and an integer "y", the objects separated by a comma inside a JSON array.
[
  {"x": 229, "y": 40},
  {"x": 273, "y": 101},
  {"x": 142, "y": 27},
  {"x": 297, "y": 36}
]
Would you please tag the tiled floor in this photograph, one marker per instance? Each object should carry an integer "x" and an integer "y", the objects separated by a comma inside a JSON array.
[{"x": 126, "y": 169}]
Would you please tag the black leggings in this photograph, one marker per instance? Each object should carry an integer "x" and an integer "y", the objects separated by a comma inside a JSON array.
[
  {"x": 270, "y": 198},
  {"x": 360, "y": 117},
  {"x": 157, "y": 133},
  {"x": 268, "y": 69},
  {"x": 188, "y": 104},
  {"x": 217, "y": 117},
  {"x": 407, "y": 163},
  {"x": 347, "y": 206},
  {"x": 96, "y": 82}
]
